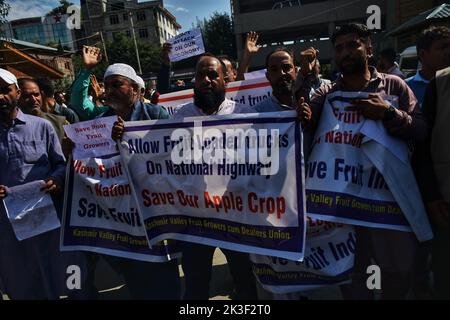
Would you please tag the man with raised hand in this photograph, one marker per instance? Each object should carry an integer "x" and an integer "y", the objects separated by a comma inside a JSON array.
[{"x": 84, "y": 106}]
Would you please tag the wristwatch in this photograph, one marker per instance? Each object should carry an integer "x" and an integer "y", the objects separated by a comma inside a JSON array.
[{"x": 389, "y": 113}]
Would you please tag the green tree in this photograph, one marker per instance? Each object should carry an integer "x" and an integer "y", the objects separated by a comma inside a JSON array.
[
  {"x": 122, "y": 50},
  {"x": 4, "y": 10},
  {"x": 218, "y": 34},
  {"x": 61, "y": 9}
]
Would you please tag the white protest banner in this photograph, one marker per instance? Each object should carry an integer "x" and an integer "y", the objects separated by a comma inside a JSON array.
[
  {"x": 92, "y": 138},
  {"x": 343, "y": 184},
  {"x": 30, "y": 210},
  {"x": 100, "y": 213},
  {"x": 258, "y": 74},
  {"x": 232, "y": 181},
  {"x": 329, "y": 259},
  {"x": 187, "y": 44},
  {"x": 248, "y": 92}
]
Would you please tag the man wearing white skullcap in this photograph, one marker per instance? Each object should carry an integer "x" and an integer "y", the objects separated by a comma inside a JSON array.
[
  {"x": 141, "y": 83},
  {"x": 144, "y": 280}
]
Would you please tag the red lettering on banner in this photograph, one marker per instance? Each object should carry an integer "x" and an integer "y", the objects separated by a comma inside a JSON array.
[
  {"x": 156, "y": 198},
  {"x": 267, "y": 205},
  {"x": 223, "y": 202}
]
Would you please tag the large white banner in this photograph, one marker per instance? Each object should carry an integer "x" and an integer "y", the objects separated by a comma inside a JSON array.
[
  {"x": 329, "y": 258},
  {"x": 248, "y": 92},
  {"x": 343, "y": 183},
  {"x": 101, "y": 215},
  {"x": 231, "y": 181}
]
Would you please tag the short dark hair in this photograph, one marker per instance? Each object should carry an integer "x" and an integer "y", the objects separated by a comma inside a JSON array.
[
  {"x": 389, "y": 54},
  {"x": 431, "y": 35},
  {"x": 361, "y": 30},
  {"x": 227, "y": 57},
  {"x": 224, "y": 68},
  {"x": 21, "y": 82},
  {"x": 46, "y": 86},
  {"x": 281, "y": 49}
]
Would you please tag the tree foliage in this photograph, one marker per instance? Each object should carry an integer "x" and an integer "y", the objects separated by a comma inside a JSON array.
[
  {"x": 122, "y": 50},
  {"x": 4, "y": 10},
  {"x": 218, "y": 34},
  {"x": 61, "y": 9}
]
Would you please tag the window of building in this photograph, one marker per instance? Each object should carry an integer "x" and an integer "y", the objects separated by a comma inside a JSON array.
[
  {"x": 143, "y": 33},
  {"x": 117, "y": 6},
  {"x": 125, "y": 17},
  {"x": 114, "y": 19},
  {"x": 141, "y": 16}
]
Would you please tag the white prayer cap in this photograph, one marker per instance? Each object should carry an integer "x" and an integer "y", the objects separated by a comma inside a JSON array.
[
  {"x": 140, "y": 82},
  {"x": 8, "y": 77},
  {"x": 121, "y": 69}
]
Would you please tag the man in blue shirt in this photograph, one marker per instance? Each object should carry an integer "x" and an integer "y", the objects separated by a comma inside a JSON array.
[
  {"x": 33, "y": 268},
  {"x": 433, "y": 50}
]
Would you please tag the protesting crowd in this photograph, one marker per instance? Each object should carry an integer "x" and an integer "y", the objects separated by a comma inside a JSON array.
[{"x": 385, "y": 135}]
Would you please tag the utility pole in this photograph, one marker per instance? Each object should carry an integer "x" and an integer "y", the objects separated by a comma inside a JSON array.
[
  {"x": 104, "y": 46},
  {"x": 135, "y": 43}
]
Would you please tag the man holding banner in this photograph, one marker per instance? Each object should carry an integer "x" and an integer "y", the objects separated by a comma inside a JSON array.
[
  {"x": 359, "y": 167},
  {"x": 209, "y": 99},
  {"x": 158, "y": 279},
  {"x": 314, "y": 272},
  {"x": 146, "y": 280}
]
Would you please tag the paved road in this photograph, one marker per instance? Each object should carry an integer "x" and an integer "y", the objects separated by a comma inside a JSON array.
[{"x": 111, "y": 285}]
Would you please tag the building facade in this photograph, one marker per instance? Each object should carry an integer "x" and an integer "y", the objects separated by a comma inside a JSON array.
[
  {"x": 41, "y": 30},
  {"x": 301, "y": 24},
  {"x": 419, "y": 14},
  {"x": 30, "y": 60},
  {"x": 151, "y": 21}
]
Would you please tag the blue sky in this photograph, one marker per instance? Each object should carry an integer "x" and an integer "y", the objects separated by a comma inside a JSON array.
[{"x": 185, "y": 11}]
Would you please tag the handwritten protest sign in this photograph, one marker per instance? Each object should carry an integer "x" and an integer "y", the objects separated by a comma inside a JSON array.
[
  {"x": 247, "y": 198},
  {"x": 92, "y": 138},
  {"x": 186, "y": 45}
]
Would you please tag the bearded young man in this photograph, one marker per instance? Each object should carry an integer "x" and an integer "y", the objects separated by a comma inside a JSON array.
[{"x": 392, "y": 250}]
